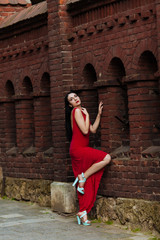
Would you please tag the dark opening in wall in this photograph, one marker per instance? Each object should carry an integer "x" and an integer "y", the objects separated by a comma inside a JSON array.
[
  {"x": 150, "y": 98},
  {"x": 42, "y": 115},
  {"x": 27, "y": 86},
  {"x": 10, "y": 117},
  {"x": 45, "y": 83},
  {"x": 147, "y": 63},
  {"x": 25, "y": 118},
  {"x": 116, "y": 68},
  {"x": 89, "y": 74},
  {"x": 9, "y": 89},
  {"x": 119, "y": 120},
  {"x": 89, "y": 99}
]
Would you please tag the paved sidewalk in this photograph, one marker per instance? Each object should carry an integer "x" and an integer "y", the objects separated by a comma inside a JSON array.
[{"x": 27, "y": 221}]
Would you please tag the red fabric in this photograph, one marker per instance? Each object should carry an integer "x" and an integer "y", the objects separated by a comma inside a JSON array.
[{"x": 83, "y": 157}]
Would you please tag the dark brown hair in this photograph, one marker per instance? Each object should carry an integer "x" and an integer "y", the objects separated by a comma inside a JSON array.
[{"x": 68, "y": 111}]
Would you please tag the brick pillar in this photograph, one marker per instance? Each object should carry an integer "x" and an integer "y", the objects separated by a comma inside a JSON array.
[
  {"x": 144, "y": 114},
  {"x": 60, "y": 63},
  {"x": 24, "y": 123},
  {"x": 43, "y": 127}
]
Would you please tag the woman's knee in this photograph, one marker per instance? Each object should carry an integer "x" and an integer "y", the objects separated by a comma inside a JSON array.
[{"x": 107, "y": 159}]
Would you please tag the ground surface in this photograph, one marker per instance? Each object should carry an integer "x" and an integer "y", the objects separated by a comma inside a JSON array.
[{"x": 27, "y": 221}]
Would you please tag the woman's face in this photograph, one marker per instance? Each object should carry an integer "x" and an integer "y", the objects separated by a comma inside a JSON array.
[{"x": 74, "y": 100}]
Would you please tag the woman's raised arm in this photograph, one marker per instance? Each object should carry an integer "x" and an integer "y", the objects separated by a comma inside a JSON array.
[{"x": 93, "y": 128}]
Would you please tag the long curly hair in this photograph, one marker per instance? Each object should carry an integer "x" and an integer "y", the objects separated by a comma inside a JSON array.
[{"x": 68, "y": 111}]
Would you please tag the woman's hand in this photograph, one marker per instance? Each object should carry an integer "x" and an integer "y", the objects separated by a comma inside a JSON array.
[
  {"x": 100, "y": 108},
  {"x": 93, "y": 128},
  {"x": 84, "y": 110}
]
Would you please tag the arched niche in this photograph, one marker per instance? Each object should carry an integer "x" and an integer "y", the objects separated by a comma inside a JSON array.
[
  {"x": 147, "y": 63},
  {"x": 117, "y": 107},
  {"x": 27, "y": 86},
  {"x": 42, "y": 116},
  {"x": 89, "y": 98},
  {"x": 9, "y": 89},
  {"x": 149, "y": 109},
  {"x": 116, "y": 69},
  {"x": 89, "y": 74},
  {"x": 45, "y": 83},
  {"x": 25, "y": 117},
  {"x": 10, "y": 116}
]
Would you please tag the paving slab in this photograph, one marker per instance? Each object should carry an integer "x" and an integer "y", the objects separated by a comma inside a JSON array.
[{"x": 27, "y": 221}]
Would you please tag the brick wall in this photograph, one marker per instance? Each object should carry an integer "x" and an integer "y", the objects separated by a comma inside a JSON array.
[
  {"x": 25, "y": 104},
  {"x": 119, "y": 40},
  {"x": 104, "y": 51},
  {"x": 60, "y": 63},
  {"x": 132, "y": 179}
]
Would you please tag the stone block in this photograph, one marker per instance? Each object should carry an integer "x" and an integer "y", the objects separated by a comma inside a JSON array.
[
  {"x": 133, "y": 213},
  {"x": 63, "y": 197},
  {"x": 34, "y": 190}
]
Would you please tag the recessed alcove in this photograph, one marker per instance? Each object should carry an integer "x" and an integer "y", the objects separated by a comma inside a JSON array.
[
  {"x": 117, "y": 105},
  {"x": 148, "y": 65},
  {"x": 27, "y": 88},
  {"x": 25, "y": 116},
  {"x": 143, "y": 91},
  {"x": 42, "y": 115},
  {"x": 90, "y": 100},
  {"x": 89, "y": 74},
  {"x": 9, "y": 117}
]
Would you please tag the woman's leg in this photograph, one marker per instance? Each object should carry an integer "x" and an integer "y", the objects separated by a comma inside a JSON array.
[
  {"x": 95, "y": 168},
  {"x": 91, "y": 170}
]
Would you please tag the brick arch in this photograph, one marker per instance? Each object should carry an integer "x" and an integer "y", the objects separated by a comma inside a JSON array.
[
  {"x": 147, "y": 63},
  {"x": 116, "y": 69},
  {"x": 8, "y": 120},
  {"x": 116, "y": 52},
  {"x": 11, "y": 76},
  {"x": 45, "y": 83},
  {"x": 37, "y": 81},
  {"x": 27, "y": 87},
  {"x": 144, "y": 45},
  {"x": 25, "y": 73},
  {"x": 88, "y": 58},
  {"x": 9, "y": 89}
]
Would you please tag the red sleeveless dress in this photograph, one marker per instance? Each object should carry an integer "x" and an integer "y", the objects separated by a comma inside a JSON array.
[{"x": 83, "y": 157}]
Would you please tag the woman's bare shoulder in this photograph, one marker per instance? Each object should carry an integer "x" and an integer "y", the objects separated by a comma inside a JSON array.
[
  {"x": 75, "y": 111},
  {"x": 78, "y": 111}
]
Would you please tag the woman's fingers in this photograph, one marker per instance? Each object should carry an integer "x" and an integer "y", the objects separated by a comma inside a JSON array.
[
  {"x": 84, "y": 110},
  {"x": 100, "y": 107}
]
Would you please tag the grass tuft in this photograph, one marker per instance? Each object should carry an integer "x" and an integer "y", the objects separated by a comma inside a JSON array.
[
  {"x": 136, "y": 230},
  {"x": 109, "y": 222},
  {"x": 96, "y": 221}
]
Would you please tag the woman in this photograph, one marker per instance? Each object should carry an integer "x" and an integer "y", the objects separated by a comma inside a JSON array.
[{"x": 87, "y": 163}]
